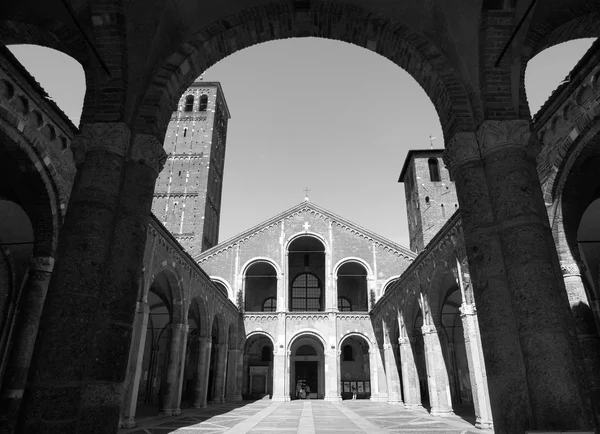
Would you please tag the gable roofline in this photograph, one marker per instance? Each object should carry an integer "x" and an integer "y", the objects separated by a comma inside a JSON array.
[{"x": 300, "y": 207}]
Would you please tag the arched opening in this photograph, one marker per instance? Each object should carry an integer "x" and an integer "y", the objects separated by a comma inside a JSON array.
[
  {"x": 203, "y": 104},
  {"x": 260, "y": 288},
  {"x": 355, "y": 369},
  {"x": 434, "y": 170},
  {"x": 306, "y": 270},
  {"x": 352, "y": 287},
  {"x": 189, "y": 103},
  {"x": 307, "y": 368},
  {"x": 212, "y": 395},
  {"x": 156, "y": 349},
  {"x": 455, "y": 353},
  {"x": 257, "y": 381}
]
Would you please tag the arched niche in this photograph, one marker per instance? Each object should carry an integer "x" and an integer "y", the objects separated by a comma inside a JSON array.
[
  {"x": 306, "y": 274},
  {"x": 355, "y": 368},
  {"x": 307, "y": 365},
  {"x": 352, "y": 287},
  {"x": 260, "y": 287},
  {"x": 257, "y": 377}
]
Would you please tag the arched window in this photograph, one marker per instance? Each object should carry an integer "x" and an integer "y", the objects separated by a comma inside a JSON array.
[
  {"x": 344, "y": 304},
  {"x": 203, "y": 105},
  {"x": 270, "y": 305},
  {"x": 434, "y": 170},
  {"x": 265, "y": 354},
  {"x": 189, "y": 103},
  {"x": 306, "y": 293},
  {"x": 348, "y": 353}
]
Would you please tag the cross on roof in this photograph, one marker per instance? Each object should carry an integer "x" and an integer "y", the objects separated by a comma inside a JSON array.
[{"x": 306, "y": 190}]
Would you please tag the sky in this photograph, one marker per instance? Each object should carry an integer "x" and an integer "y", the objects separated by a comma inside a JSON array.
[{"x": 314, "y": 113}]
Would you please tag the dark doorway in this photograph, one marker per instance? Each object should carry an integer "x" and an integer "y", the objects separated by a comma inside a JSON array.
[{"x": 307, "y": 373}]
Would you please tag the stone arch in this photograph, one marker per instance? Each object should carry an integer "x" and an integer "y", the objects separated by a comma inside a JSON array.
[
  {"x": 441, "y": 282},
  {"x": 306, "y": 332},
  {"x": 226, "y": 285},
  {"x": 388, "y": 284},
  {"x": 297, "y": 235},
  {"x": 261, "y": 333},
  {"x": 331, "y": 20},
  {"x": 255, "y": 259},
  {"x": 222, "y": 333},
  {"x": 200, "y": 312},
  {"x": 352, "y": 259},
  {"x": 356, "y": 334},
  {"x": 166, "y": 284}
]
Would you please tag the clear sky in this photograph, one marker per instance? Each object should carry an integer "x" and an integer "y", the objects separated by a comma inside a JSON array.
[{"x": 316, "y": 113}]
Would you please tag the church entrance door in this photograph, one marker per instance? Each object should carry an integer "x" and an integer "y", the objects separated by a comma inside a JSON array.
[{"x": 307, "y": 375}]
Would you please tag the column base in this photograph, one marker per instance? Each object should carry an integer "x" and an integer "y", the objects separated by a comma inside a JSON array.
[
  {"x": 414, "y": 407},
  {"x": 176, "y": 412},
  {"x": 484, "y": 424},
  {"x": 216, "y": 401},
  {"x": 200, "y": 405},
  {"x": 280, "y": 398},
  {"x": 395, "y": 402},
  {"x": 233, "y": 398},
  {"x": 380, "y": 398},
  {"x": 128, "y": 422},
  {"x": 166, "y": 412},
  {"x": 333, "y": 398},
  {"x": 441, "y": 413}
]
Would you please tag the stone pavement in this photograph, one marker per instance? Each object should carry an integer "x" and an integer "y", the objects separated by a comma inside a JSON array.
[{"x": 306, "y": 417}]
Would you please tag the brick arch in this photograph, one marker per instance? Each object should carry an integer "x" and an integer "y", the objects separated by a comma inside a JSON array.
[
  {"x": 330, "y": 20},
  {"x": 440, "y": 285},
  {"x": 169, "y": 290},
  {"x": 199, "y": 311},
  {"x": 44, "y": 196},
  {"x": 222, "y": 331}
]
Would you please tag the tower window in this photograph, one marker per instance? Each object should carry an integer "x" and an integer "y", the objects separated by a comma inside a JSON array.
[
  {"x": 434, "y": 170},
  {"x": 427, "y": 199},
  {"x": 189, "y": 103},
  {"x": 203, "y": 105}
]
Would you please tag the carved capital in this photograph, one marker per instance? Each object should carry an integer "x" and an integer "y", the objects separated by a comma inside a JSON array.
[
  {"x": 41, "y": 263},
  {"x": 461, "y": 149},
  {"x": 494, "y": 135},
  {"x": 148, "y": 150},
  {"x": 404, "y": 340},
  {"x": 571, "y": 269},
  {"x": 427, "y": 329},
  {"x": 467, "y": 309},
  {"x": 101, "y": 136}
]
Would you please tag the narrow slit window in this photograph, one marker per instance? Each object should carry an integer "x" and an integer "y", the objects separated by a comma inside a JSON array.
[
  {"x": 434, "y": 170},
  {"x": 203, "y": 105}
]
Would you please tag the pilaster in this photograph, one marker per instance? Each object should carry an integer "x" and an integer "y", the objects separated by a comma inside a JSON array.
[{"x": 437, "y": 375}]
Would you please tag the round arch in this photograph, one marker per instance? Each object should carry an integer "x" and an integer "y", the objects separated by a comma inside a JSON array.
[
  {"x": 200, "y": 312},
  {"x": 358, "y": 335},
  {"x": 306, "y": 332},
  {"x": 388, "y": 284},
  {"x": 167, "y": 279},
  {"x": 349, "y": 259},
  {"x": 395, "y": 40},
  {"x": 308, "y": 234},
  {"x": 222, "y": 331},
  {"x": 256, "y": 259},
  {"x": 260, "y": 333},
  {"x": 225, "y": 283}
]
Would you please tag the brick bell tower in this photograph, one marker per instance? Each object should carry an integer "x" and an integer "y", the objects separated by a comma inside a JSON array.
[
  {"x": 430, "y": 195},
  {"x": 187, "y": 195}
]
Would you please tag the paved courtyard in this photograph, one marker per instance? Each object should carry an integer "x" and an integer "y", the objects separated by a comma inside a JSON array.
[{"x": 310, "y": 417}]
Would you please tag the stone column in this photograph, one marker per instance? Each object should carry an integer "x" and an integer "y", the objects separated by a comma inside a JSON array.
[
  {"x": 134, "y": 369},
  {"x": 27, "y": 323},
  {"x": 202, "y": 370},
  {"x": 279, "y": 375},
  {"x": 410, "y": 375},
  {"x": 525, "y": 324},
  {"x": 393, "y": 379},
  {"x": 171, "y": 381},
  {"x": 437, "y": 375},
  {"x": 80, "y": 358},
  {"x": 332, "y": 367},
  {"x": 477, "y": 375},
  {"x": 181, "y": 372},
  {"x": 219, "y": 374},
  {"x": 587, "y": 333},
  {"x": 233, "y": 367}
]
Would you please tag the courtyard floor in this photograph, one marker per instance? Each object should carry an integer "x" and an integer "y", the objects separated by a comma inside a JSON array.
[{"x": 303, "y": 416}]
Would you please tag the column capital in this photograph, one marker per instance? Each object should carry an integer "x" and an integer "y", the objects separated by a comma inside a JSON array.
[
  {"x": 493, "y": 135},
  {"x": 462, "y": 148},
  {"x": 467, "y": 309},
  {"x": 112, "y": 137},
  {"x": 571, "y": 268},
  {"x": 41, "y": 263},
  {"x": 405, "y": 340},
  {"x": 148, "y": 150},
  {"x": 428, "y": 329}
]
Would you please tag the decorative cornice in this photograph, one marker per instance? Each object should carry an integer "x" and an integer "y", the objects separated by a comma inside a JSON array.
[
  {"x": 148, "y": 150},
  {"x": 113, "y": 137},
  {"x": 494, "y": 135}
]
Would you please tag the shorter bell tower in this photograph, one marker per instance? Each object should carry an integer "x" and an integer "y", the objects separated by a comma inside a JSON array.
[{"x": 430, "y": 195}]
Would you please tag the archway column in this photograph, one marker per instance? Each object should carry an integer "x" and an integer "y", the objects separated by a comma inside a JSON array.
[
  {"x": 27, "y": 323},
  {"x": 410, "y": 375},
  {"x": 477, "y": 375},
  {"x": 220, "y": 373},
  {"x": 171, "y": 382},
  {"x": 281, "y": 374},
  {"x": 181, "y": 372},
  {"x": 437, "y": 375},
  {"x": 392, "y": 375},
  {"x": 331, "y": 370},
  {"x": 80, "y": 358},
  {"x": 134, "y": 369},
  {"x": 202, "y": 371},
  {"x": 234, "y": 375},
  {"x": 526, "y": 328},
  {"x": 375, "y": 374}
]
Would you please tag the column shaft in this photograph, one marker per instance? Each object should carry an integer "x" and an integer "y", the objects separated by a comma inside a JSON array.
[
  {"x": 393, "y": 378},
  {"x": 279, "y": 376},
  {"x": 181, "y": 371},
  {"x": 202, "y": 371},
  {"x": 80, "y": 357},
  {"x": 233, "y": 363},
  {"x": 220, "y": 374},
  {"x": 27, "y": 323},
  {"x": 134, "y": 369},
  {"x": 437, "y": 375},
  {"x": 171, "y": 381},
  {"x": 410, "y": 375}
]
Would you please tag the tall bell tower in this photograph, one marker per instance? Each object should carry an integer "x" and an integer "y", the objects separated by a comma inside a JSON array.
[
  {"x": 187, "y": 196},
  {"x": 430, "y": 195}
]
